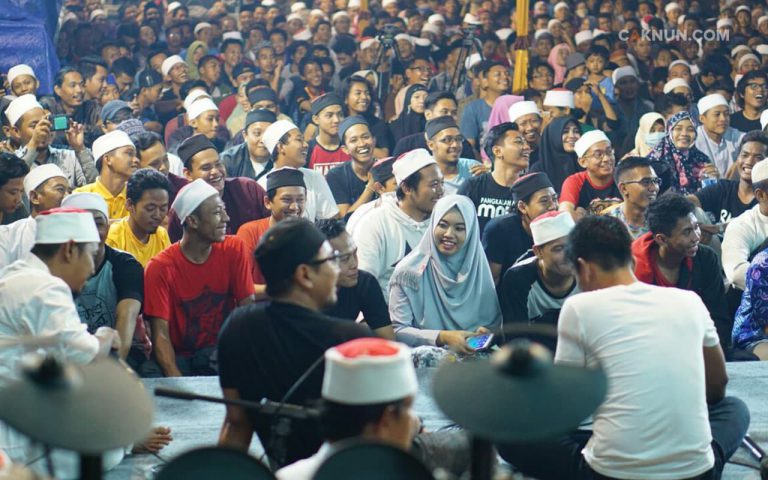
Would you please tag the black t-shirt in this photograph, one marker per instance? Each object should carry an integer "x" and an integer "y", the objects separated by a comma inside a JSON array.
[
  {"x": 722, "y": 200},
  {"x": 491, "y": 199},
  {"x": 417, "y": 140},
  {"x": 345, "y": 186},
  {"x": 524, "y": 297},
  {"x": 265, "y": 348},
  {"x": 742, "y": 124},
  {"x": 505, "y": 240},
  {"x": 364, "y": 297}
]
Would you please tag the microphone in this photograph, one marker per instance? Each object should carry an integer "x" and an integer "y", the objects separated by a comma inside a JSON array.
[{"x": 758, "y": 454}]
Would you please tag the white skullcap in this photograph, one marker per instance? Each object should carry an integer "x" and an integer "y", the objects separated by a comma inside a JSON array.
[
  {"x": 561, "y": 5},
  {"x": 368, "y": 43},
  {"x": 201, "y": 26},
  {"x": 422, "y": 42},
  {"x": 674, "y": 83},
  {"x": 190, "y": 197},
  {"x": 173, "y": 6},
  {"x": 39, "y": 175},
  {"x": 365, "y": 74},
  {"x": 749, "y": 56},
  {"x": 109, "y": 142},
  {"x": 540, "y": 33},
  {"x": 298, "y": 6},
  {"x": 19, "y": 106},
  {"x": 435, "y": 18},
  {"x": 354, "y": 4},
  {"x": 97, "y": 13},
  {"x": 293, "y": 16},
  {"x": 199, "y": 107},
  {"x": 275, "y": 132},
  {"x": 622, "y": 72},
  {"x": 472, "y": 60},
  {"x": 681, "y": 19},
  {"x": 410, "y": 163},
  {"x": 583, "y": 36},
  {"x": 504, "y": 34},
  {"x": 194, "y": 95},
  {"x": 318, "y": 12},
  {"x": 760, "y": 171},
  {"x": 523, "y": 108},
  {"x": 763, "y": 119},
  {"x": 404, "y": 36},
  {"x": 430, "y": 27},
  {"x": 762, "y": 49},
  {"x": 18, "y": 70},
  {"x": 551, "y": 226},
  {"x": 762, "y": 19},
  {"x": 711, "y": 101},
  {"x": 268, "y": 3},
  {"x": 597, "y": 33},
  {"x": 679, "y": 62},
  {"x": 724, "y": 22},
  {"x": 588, "y": 139},
  {"x": 739, "y": 48},
  {"x": 388, "y": 2},
  {"x": 471, "y": 19},
  {"x": 86, "y": 201},
  {"x": 368, "y": 371},
  {"x": 232, "y": 36},
  {"x": 552, "y": 23},
  {"x": 305, "y": 34},
  {"x": 169, "y": 63},
  {"x": 672, "y": 6},
  {"x": 62, "y": 225},
  {"x": 339, "y": 14},
  {"x": 559, "y": 97},
  {"x": 742, "y": 8}
]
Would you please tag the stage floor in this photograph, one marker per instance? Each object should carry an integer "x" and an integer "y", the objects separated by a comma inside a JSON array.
[{"x": 197, "y": 424}]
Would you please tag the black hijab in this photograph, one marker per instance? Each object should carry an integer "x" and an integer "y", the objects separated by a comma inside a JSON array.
[
  {"x": 409, "y": 122},
  {"x": 553, "y": 159}
]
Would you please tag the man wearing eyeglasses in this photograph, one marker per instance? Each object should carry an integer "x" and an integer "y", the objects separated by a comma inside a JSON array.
[
  {"x": 751, "y": 95},
  {"x": 639, "y": 186},
  {"x": 444, "y": 140}
]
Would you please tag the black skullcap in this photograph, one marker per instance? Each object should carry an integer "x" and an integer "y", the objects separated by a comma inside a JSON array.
[
  {"x": 260, "y": 115},
  {"x": 240, "y": 69},
  {"x": 348, "y": 122},
  {"x": 439, "y": 124},
  {"x": 325, "y": 101},
  {"x": 261, "y": 94},
  {"x": 193, "y": 145},
  {"x": 575, "y": 84},
  {"x": 285, "y": 246},
  {"x": 285, "y": 177},
  {"x": 526, "y": 185},
  {"x": 149, "y": 78},
  {"x": 381, "y": 171}
]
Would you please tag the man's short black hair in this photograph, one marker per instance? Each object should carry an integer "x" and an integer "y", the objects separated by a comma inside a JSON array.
[
  {"x": 187, "y": 87},
  {"x": 535, "y": 65},
  {"x": 659, "y": 74},
  {"x": 230, "y": 41},
  {"x": 603, "y": 240},
  {"x": 319, "y": 48},
  {"x": 88, "y": 66},
  {"x": 308, "y": 60},
  {"x": 496, "y": 135},
  {"x": 11, "y": 167},
  {"x": 145, "y": 179},
  {"x": 279, "y": 31},
  {"x": 145, "y": 140},
  {"x": 128, "y": 30},
  {"x": 59, "y": 78},
  {"x": 486, "y": 65},
  {"x": 124, "y": 65},
  {"x": 331, "y": 227},
  {"x": 207, "y": 58},
  {"x": 598, "y": 50},
  {"x": 435, "y": 97},
  {"x": 742, "y": 85},
  {"x": 339, "y": 421},
  {"x": 412, "y": 181},
  {"x": 665, "y": 103},
  {"x": 629, "y": 163},
  {"x": 753, "y": 136},
  {"x": 663, "y": 214}
]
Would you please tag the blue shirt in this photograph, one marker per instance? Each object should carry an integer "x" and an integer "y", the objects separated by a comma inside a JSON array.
[
  {"x": 474, "y": 120},
  {"x": 452, "y": 186},
  {"x": 752, "y": 315}
]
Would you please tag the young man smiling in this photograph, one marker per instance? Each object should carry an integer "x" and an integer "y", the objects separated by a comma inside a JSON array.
[
  {"x": 351, "y": 182},
  {"x": 325, "y": 151},
  {"x": 715, "y": 137},
  {"x": 444, "y": 140},
  {"x": 639, "y": 186},
  {"x": 751, "y": 97}
]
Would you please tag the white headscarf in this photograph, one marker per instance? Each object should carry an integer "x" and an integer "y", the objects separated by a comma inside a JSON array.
[
  {"x": 450, "y": 293},
  {"x": 646, "y": 124}
]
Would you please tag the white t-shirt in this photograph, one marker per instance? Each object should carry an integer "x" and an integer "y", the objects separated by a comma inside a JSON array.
[
  {"x": 320, "y": 202},
  {"x": 654, "y": 423}
]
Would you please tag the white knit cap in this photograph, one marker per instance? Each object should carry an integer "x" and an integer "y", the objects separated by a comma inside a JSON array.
[
  {"x": 583, "y": 36},
  {"x": 97, "y": 13},
  {"x": 169, "y": 63},
  {"x": 173, "y": 6},
  {"x": 724, "y": 22},
  {"x": 742, "y": 8},
  {"x": 711, "y": 101},
  {"x": 523, "y": 108},
  {"x": 339, "y": 14},
  {"x": 190, "y": 197},
  {"x": 472, "y": 60},
  {"x": 760, "y": 171},
  {"x": 194, "y": 95},
  {"x": 560, "y": 5},
  {"x": 199, "y": 107},
  {"x": 739, "y": 48},
  {"x": 232, "y": 36},
  {"x": 749, "y": 56},
  {"x": 410, "y": 163},
  {"x": 559, "y": 97},
  {"x": 671, "y": 6},
  {"x": 39, "y": 175},
  {"x": 422, "y": 42},
  {"x": 762, "y": 19},
  {"x": 86, "y": 201},
  {"x": 19, "y": 106},
  {"x": 471, "y": 19},
  {"x": 504, "y": 34},
  {"x": 762, "y": 49},
  {"x": 201, "y": 26},
  {"x": 430, "y": 27},
  {"x": 298, "y": 6},
  {"x": 588, "y": 139},
  {"x": 551, "y": 226},
  {"x": 18, "y": 70},
  {"x": 275, "y": 132},
  {"x": 109, "y": 142},
  {"x": 764, "y": 119},
  {"x": 368, "y": 43},
  {"x": 679, "y": 62},
  {"x": 675, "y": 83},
  {"x": 62, "y": 225},
  {"x": 622, "y": 72},
  {"x": 368, "y": 371},
  {"x": 435, "y": 18}
]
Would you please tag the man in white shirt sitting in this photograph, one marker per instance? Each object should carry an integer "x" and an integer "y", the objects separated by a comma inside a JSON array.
[
  {"x": 666, "y": 415},
  {"x": 715, "y": 136}
]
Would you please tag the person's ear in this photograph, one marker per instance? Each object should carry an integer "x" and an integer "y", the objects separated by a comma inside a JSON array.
[
  {"x": 660, "y": 239},
  {"x": 345, "y": 149},
  {"x": 538, "y": 252},
  {"x": 498, "y": 152},
  {"x": 129, "y": 205},
  {"x": 582, "y": 161},
  {"x": 302, "y": 277},
  {"x": 57, "y": 90},
  {"x": 69, "y": 252},
  {"x": 188, "y": 174},
  {"x": 431, "y": 145}
]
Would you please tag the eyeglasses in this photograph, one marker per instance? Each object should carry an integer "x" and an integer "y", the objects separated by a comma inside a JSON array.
[
  {"x": 646, "y": 182},
  {"x": 756, "y": 86},
  {"x": 452, "y": 140},
  {"x": 599, "y": 155},
  {"x": 420, "y": 69},
  {"x": 335, "y": 258}
]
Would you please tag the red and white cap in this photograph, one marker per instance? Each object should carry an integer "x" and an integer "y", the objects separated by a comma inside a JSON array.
[
  {"x": 551, "y": 226},
  {"x": 190, "y": 197},
  {"x": 62, "y": 225},
  {"x": 368, "y": 371}
]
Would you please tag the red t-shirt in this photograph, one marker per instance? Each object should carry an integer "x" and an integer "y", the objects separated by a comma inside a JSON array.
[
  {"x": 196, "y": 299},
  {"x": 324, "y": 160},
  {"x": 250, "y": 233},
  {"x": 579, "y": 190}
]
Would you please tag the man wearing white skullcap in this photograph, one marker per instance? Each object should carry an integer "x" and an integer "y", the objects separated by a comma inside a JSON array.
[
  {"x": 558, "y": 102},
  {"x": 631, "y": 105},
  {"x": 528, "y": 118},
  {"x": 22, "y": 80},
  {"x": 30, "y": 127},
  {"x": 116, "y": 160},
  {"x": 195, "y": 283},
  {"x": 360, "y": 375},
  {"x": 715, "y": 136}
]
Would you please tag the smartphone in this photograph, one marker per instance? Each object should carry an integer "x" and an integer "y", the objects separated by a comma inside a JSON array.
[
  {"x": 480, "y": 342},
  {"x": 60, "y": 122}
]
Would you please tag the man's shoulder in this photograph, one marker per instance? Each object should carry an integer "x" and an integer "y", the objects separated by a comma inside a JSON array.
[
  {"x": 121, "y": 259},
  {"x": 232, "y": 152},
  {"x": 341, "y": 171},
  {"x": 502, "y": 224}
]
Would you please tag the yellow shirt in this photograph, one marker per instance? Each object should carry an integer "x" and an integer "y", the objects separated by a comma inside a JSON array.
[
  {"x": 116, "y": 205},
  {"x": 121, "y": 237}
]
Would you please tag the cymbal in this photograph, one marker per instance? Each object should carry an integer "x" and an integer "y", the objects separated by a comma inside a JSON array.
[
  {"x": 518, "y": 395},
  {"x": 354, "y": 456},
  {"x": 86, "y": 408},
  {"x": 214, "y": 462}
]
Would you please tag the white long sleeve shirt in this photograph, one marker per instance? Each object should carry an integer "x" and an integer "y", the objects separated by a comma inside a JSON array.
[
  {"x": 16, "y": 240},
  {"x": 742, "y": 237}
]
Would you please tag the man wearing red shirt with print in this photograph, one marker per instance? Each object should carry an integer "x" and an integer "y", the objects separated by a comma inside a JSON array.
[
  {"x": 191, "y": 287},
  {"x": 325, "y": 150}
]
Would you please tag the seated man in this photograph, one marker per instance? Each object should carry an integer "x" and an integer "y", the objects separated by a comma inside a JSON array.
[
  {"x": 534, "y": 289},
  {"x": 670, "y": 255},
  {"x": 663, "y": 354},
  {"x": 444, "y": 141},
  {"x": 384, "y": 185},
  {"x": 13, "y": 170},
  {"x": 351, "y": 182},
  {"x": 193, "y": 285},
  {"x": 350, "y": 410},
  {"x": 250, "y": 158},
  {"x": 358, "y": 295},
  {"x": 750, "y": 328},
  {"x": 265, "y": 348},
  {"x": 639, "y": 186},
  {"x": 324, "y": 151}
]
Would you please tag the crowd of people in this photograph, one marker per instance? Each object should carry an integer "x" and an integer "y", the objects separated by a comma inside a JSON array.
[{"x": 269, "y": 181}]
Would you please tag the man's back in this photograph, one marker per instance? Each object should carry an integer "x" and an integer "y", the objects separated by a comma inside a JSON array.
[{"x": 649, "y": 340}]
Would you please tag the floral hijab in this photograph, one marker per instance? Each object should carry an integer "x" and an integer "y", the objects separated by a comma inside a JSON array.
[{"x": 685, "y": 165}]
